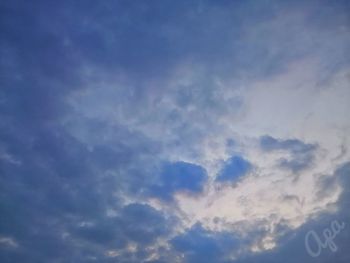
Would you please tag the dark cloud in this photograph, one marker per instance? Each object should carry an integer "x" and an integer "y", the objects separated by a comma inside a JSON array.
[
  {"x": 135, "y": 222},
  {"x": 302, "y": 153},
  {"x": 143, "y": 224},
  {"x": 56, "y": 196},
  {"x": 200, "y": 245},
  {"x": 269, "y": 143}
]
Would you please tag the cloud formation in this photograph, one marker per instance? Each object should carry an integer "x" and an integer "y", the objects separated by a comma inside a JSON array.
[
  {"x": 173, "y": 131},
  {"x": 302, "y": 154}
]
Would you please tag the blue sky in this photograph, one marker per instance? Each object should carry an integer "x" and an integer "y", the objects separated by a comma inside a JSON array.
[{"x": 173, "y": 131}]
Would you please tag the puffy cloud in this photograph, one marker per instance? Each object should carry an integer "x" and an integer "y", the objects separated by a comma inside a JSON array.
[{"x": 292, "y": 245}]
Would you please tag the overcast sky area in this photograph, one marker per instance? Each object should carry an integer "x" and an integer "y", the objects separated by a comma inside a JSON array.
[{"x": 191, "y": 131}]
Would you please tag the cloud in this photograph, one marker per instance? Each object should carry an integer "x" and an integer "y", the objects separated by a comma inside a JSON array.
[
  {"x": 117, "y": 232},
  {"x": 302, "y": 154},
  {"x": 292, "y": 245},
  {"x": 269, "y": 143},
  {"x": 200, "y": 245},
  {"x": 115, "y": 118}
]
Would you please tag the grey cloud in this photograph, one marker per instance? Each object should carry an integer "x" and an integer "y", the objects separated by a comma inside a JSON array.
[{"x": 302, "y": 153}]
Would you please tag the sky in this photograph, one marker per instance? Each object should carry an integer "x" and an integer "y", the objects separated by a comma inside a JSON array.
[{"x": 161, "y": 131}]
